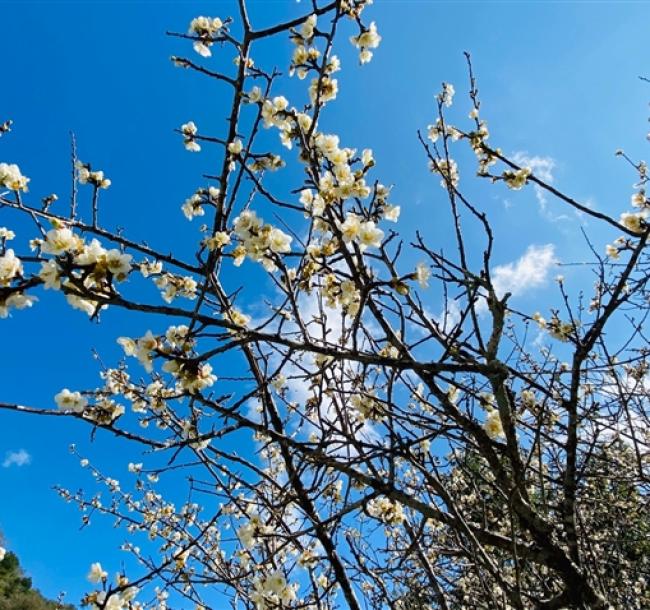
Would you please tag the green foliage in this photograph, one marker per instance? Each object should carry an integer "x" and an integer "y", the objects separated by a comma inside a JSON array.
[{"x": 16, "y": 592}]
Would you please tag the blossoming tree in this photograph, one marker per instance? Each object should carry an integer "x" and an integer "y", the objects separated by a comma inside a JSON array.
[{"x": 348, "y": 448}]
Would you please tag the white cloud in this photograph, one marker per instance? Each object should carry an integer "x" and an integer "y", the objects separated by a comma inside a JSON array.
[
  {"x": 529, "y": 271},
  {"x": 624, "y": 389},
  {"x": 325, "y": 327},
  {"x": 16, "y": 458},
  {"x": 449, "y": 316},
  {"x": 543, "y": 169}
]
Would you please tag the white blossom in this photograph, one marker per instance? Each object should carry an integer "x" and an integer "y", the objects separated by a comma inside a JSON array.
[
  {"x": 391, "y": 212},
  {"x": 518, "y": 178},
  {"x": 235, "y": 147},
  {"x": 10, "y": 267},
  {"x": 6, "y": 234},
  {"x": 447, "y": 95},
  {"x": 493, "y": 425},
  {"x": 70, "y": 401},
  {"x": 634, "y": 221},
  {"x": 370, "y": 235},
  {"x": 218, "y": 240},
  {"x": 368, "y": 39},
  {"x": 205, "y": 28},
  {"x": 16, "y": 300},
  {"x": 61, "y": 240},
  {"x": 422, "y": 274},
  {"x": 323, "y": 89},
  {"x": 11, "y": 178},
  {"x": 189, "y": 131}
]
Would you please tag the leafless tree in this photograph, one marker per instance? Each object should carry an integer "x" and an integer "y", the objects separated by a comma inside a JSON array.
[{"x": 349, "y": 448}]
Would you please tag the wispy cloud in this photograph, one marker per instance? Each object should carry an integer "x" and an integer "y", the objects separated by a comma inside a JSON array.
[
  {"x": 543, "y": 169},
  {"x": 16, "y": 458},
  {"x": 449, "y": 316},
  {"x": 529, "y": 271},
  {"x": 325, "y": 326}
]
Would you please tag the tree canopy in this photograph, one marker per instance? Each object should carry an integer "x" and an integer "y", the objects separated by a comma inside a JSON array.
[
  {"x": 316, "y": 434},
  {"x": 16, "y": 591}
]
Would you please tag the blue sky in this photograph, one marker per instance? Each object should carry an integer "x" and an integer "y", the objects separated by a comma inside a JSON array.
[{"x": 558, "y": 80}]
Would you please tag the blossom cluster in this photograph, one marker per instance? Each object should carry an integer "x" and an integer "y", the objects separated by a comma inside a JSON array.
[
  {"x": 143, "y": 349},
  {"x": 272, "y": 591},
  {"x": 205, "y": 29},
  {"x": 189, "y": 131},
  {"x": 556, "y": 328},
  {"x": 366, "y": 40},
  {"x": 304, "y": 56},
  {"x": 493, "y": 425},
  {"x": 258, "y": 241},
  {"x": 368, "y": 407},
  {"x": 217, "y": 241},
  {"x": 122, "y": 600},
  {"x": 85, "y": 175},
  {"x": 176, "y": 348},
  {"x": 79, "y": 267},
  {"x": 448, "y": 169},
  {"x": 10, "y": 267},
  {"x": 389, "y": 511},
  {"x": 11, "y": 178},
  {"x": 172, "y": 285},
  {"x": 635, "y": 221},
  {"x": 193, "y": 206},
  {"x": 70, "y": 401},
  {"x": 517, "y": 179},
  {"x": 15, "y": 300},
  {"x": 343, "y": 294},
  {"x": 253, "y": 531},
  {"x": 192, "y": 376},
  {"x": 364, "y": 232}
]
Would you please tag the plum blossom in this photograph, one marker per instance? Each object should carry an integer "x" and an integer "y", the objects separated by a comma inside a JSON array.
[
  {"x": 6, "y": 234},
  {"x": 191, "y": 376},
  {"x": 217, "y": 241},
  {"x": 274, "y": 112},
  {"x": 447, "y": 95},
  {"x": 205, "y": 28},
  {"x": 235, "y": 147},
  {"x": 259, "y": 240},
  {"x": 16, "y": 300},
  {"x": 493, "y": 425},
  {"x": 386, "y": 510},
  {"x": 422, "y": 274},
  {"x": 323, "y": 89},
  {"x": 11, "y": 178},
  {"x": 141, "y": 348},
  {"x": 189, "y": 131},
  {"x": 61, "y": 240},
  {"x": 391, "y": 212},
  {"x": 10, "y": 267},
  {"x": 370, "y": 236},
  {"x": 368, "y": 39},
  {"x": 448, "y": 169},
  {"x": 634, "y": 221},
  {"x": 517, "y": 179},
  {"x": 96, "y": 574},
  {"x": 86, "y": 176},
  {"x": 70, "y": 401}
]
